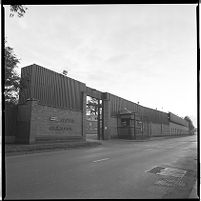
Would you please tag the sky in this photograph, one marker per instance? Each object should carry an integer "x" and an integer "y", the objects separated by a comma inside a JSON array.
[{"x": 144, "y": 53}]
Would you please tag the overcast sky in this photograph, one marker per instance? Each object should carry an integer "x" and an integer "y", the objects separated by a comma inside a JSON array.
[{"x": 144, "y": 53}]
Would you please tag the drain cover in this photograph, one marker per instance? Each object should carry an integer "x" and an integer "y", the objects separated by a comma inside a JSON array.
[
  {"x": 170, "y": 176},
  {"x": 172, "y": 172},
  {"x": 170, "y": 182}
]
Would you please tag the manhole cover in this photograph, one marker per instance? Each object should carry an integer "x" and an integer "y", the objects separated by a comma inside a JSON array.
[
  {"x": 169, "y": 182},
  {"x": 172, "y": 172},
  {"x": 164, "y": 183}
]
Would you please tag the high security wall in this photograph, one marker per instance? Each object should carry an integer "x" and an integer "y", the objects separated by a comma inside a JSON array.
[
  {"x": 148, "y": 114},
  {"x": 177, "y": 120},
  {"x": 56, "y": 122},
  {"x": 10, "y": 123},
  {"x": 52, "y": 106},
  {"x": 51, "y": 88},
  {"x": 155, "y": 123}
]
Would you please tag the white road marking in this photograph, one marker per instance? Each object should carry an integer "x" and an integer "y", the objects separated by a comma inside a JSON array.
[{"x": 103, "y": 159}]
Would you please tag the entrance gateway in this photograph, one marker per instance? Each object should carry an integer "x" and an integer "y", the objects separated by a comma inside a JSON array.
[{"x": 52, "y": 107}]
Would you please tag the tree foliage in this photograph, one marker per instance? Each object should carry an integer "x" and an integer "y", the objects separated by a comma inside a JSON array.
[
  {"x": 19, "y": 9},
  {"x": 92, "y": 106},
  {"x": 12, "y": 79}
]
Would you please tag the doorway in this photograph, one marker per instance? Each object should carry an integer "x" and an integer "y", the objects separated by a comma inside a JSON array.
[{"x": 93, "y": 118}]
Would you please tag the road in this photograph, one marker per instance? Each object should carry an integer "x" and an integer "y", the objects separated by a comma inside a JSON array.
[{"x": 115, "y": 169}]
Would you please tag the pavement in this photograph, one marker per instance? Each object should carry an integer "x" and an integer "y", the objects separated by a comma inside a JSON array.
[
  {"x": 18, "y": 149},
  {"x": 155, "y": 138},
  {"x": 116, "y": 169},
  {"x": 194, "y": 193}
]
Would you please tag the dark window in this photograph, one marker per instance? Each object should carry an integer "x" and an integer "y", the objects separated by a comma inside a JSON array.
[{"x": 125, "y": 122}]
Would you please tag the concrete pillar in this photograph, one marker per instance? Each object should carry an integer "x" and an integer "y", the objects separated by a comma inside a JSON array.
[
  {"x": 106, "y": 119},
  {"x": 26, "y": 128},
  {"x": 84, "y": 115},
  {"x": 161, "y": 129},
  {"x": 150, "y": 129},
  {"x": 98, "y": 122}
]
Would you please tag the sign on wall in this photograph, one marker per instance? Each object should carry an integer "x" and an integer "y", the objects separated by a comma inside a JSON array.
[{"x": 64, "y": 124}]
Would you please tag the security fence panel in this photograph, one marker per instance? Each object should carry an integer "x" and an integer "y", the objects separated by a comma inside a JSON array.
[
  {"x": 51, "y": 88},
  {"x": 151, "y": 115},
  {"x": 176, "y": 119}
]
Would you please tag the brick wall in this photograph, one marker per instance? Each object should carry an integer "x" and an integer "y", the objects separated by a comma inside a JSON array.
[
  {"x": 176, "y": 129},
  {"x": 165, "y": 129},
  {"x": 152, "y": 129},
  {"x": 37, "y": 122},
  {"x": 159, "y": 129},
  {"x": 149, "y": 129},
  {"x": 155, "y": 129},
  {"x": 10, "y": 123},
  {"x": 56, "y": 122},
  {"x": 24, "y": 134},
  {"x": 113, "y": 127},
  {"x": 146, "y": 129}
]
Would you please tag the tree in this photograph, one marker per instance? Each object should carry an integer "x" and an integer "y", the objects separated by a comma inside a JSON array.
[
  {"x": 191, "y": 127},
  {"x": 92, "y": 106},
  {"x": 19, "y": 9},
  {"x": 12, "y": 79}
]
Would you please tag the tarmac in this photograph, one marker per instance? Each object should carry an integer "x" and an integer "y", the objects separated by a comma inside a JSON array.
[{"x": 19, "y": 149}]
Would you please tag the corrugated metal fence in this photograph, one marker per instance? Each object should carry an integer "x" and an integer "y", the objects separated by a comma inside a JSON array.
[
  {"x": 178, "y": 120},
  {"x": 118, "y": 104},
  {"x": 57, "y": 90},
  {"x": 148, "y": 114},
  {"x": 51, "y": 88}
]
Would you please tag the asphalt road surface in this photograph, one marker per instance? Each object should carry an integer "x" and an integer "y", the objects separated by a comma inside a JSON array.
[{"x": 117, "y": 169}]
